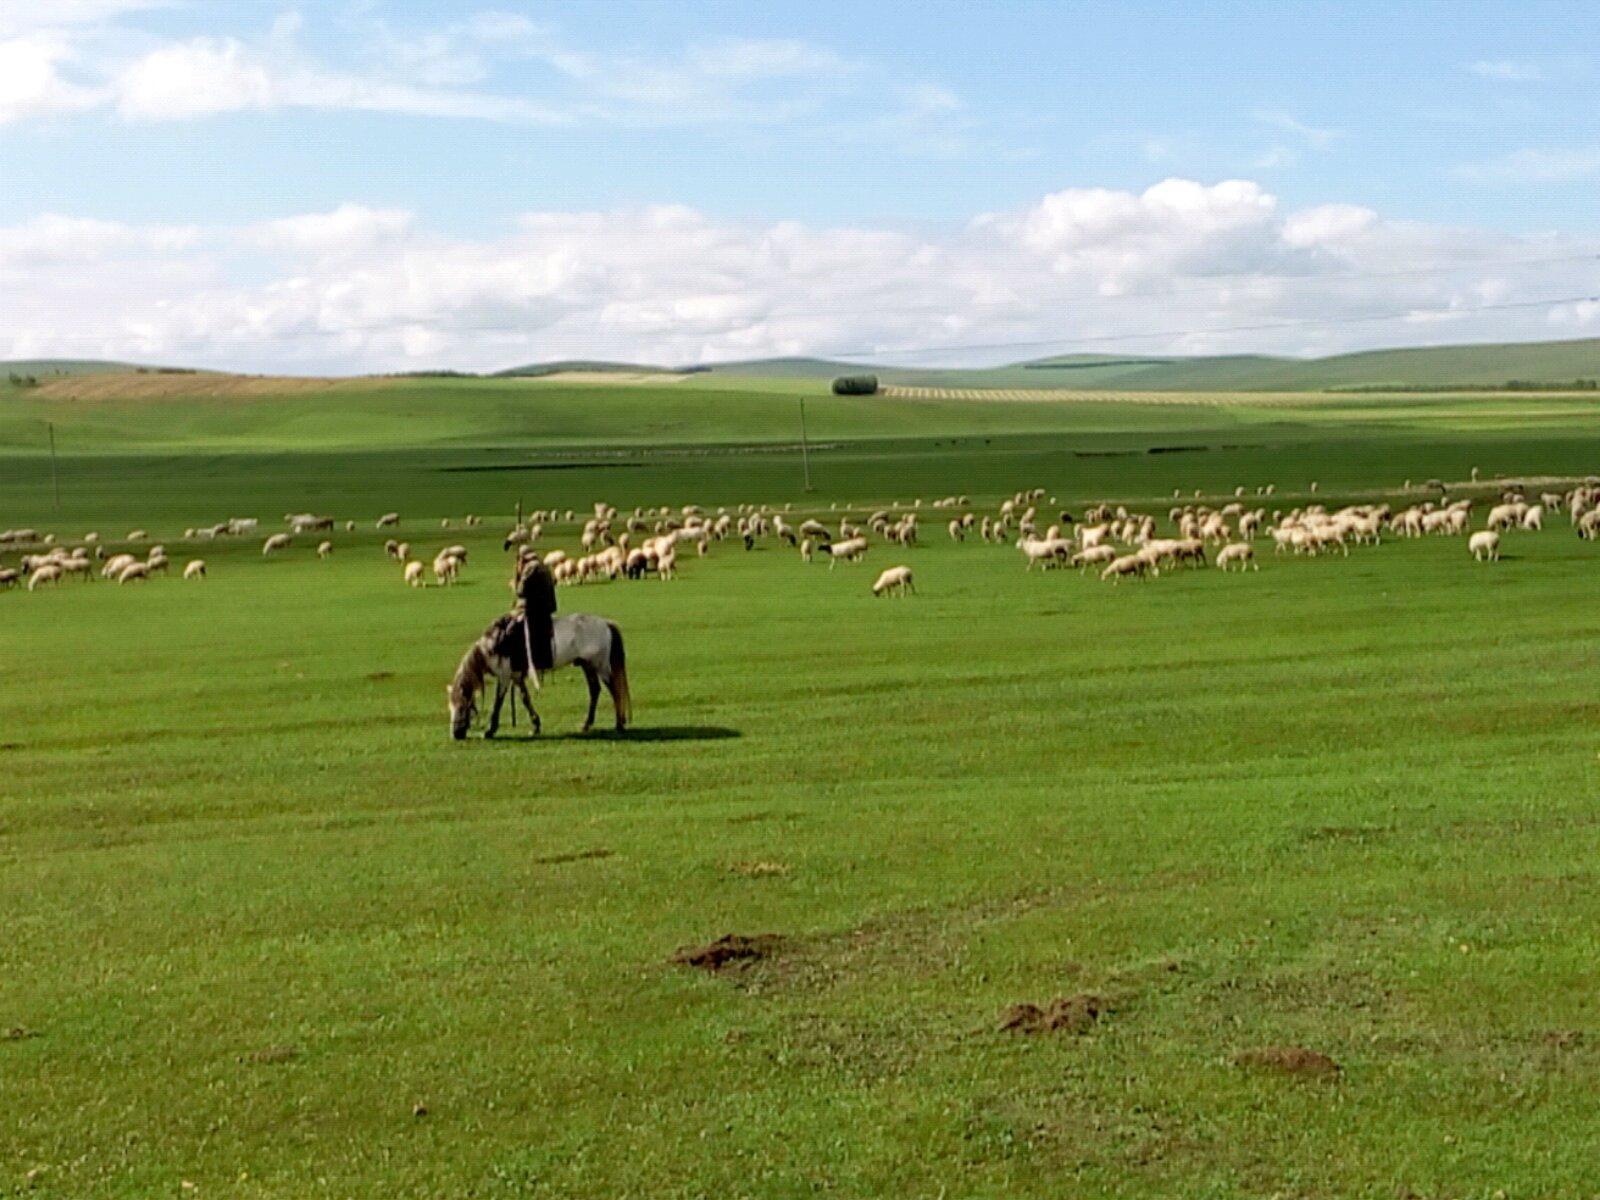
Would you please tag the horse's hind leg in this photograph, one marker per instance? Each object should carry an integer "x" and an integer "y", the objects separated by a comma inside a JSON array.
[
  {"x": 494, "y": 717},
  {"x": 527, "y": 702},
  {"x": 592, "y": 678}
]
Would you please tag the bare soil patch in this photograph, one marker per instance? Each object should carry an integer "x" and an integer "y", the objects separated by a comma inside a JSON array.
[
  {"x": 1290, "y": 1060},
  {"x": 728, "y": 949},
  {"x": 1064, "y": 1014},
  {"x": 575, "y": 856},
  {"x": 760, "y": 870}
]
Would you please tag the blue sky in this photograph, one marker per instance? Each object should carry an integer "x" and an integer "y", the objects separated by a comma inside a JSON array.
[{"x": 173, "y": 141}]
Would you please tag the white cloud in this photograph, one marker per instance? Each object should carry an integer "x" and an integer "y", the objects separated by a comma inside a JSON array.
[
  {"x": 192, "y": 79},
  {"x": 54, "y": 240},
  {"x": 363, "y": 288},
  {"x": 347, "y": 229},
  {"x": 34, "y": 80},
  {"x": 1506, "y": 70},
  {"x": 31, "y": 16},
  {"x": 1319, "y": 139},
  {"x": 490, "y": 66},
  {"x": 1534, "y": 165}
]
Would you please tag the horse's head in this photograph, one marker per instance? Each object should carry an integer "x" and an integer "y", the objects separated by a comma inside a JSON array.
[{"x": 463, "y": 708}]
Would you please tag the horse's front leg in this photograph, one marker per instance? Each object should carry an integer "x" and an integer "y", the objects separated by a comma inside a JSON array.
[
  {"x": 527, "y": 702},
  {"x": 592, "y": 678},
  {"x": 494, "y": 717}
]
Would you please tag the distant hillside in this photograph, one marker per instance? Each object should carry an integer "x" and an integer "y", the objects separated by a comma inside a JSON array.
[
  {"x": 1475, "y": 366},
  {"x": 42, "y": 368},
  {"x": 583, "y": 366},
  {"x": 1418, "y": 368}
]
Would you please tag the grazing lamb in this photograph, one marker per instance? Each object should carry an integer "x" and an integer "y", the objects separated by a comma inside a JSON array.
[
  {"x": 195, "y": 569},
  {"x": 1485, "y": 545},
  {"x": 1093, "y": 556},
  {"x": 414, "y": 574},
  {"x": 1128, "y": 565},
  {"x": 134, "y": 572},
  {"x": 9, "y": 577},
  {"x": 277, "y": 541},
  {"x": 324, "y": 549},
  {"x": 851, "y": 549},
  {"x": 894, "y": 581},
  {"x": 49, "y": 573},
  {"x": 1237, "y": 552},
  {"x": 1049, "y": 551}
]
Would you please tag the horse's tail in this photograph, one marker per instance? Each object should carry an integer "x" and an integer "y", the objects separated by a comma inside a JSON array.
[{"x": 619, "y": 677}]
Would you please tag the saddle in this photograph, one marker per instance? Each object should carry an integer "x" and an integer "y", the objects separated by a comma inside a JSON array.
[{"x": 515, "y": 637}]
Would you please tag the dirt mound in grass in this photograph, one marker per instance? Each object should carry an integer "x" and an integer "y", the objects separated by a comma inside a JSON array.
[
  {"x": 1290, "y": 1060},
  {"x": 727, "y": 949},
  {"x": 1064, "y": 1014}
]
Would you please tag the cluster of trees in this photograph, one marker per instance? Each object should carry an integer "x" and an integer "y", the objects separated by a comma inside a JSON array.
[{"x": 24, "y": 381}]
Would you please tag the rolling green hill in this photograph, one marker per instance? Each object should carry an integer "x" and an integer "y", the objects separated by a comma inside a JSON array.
[{"x": 1485, "y": 365}]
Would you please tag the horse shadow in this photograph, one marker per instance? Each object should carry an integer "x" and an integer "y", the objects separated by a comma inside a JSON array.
[{"x": 640, "y": 733}]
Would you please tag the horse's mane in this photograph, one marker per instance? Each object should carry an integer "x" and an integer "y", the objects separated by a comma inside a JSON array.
[
  {"x": 468, "y": 681},
  {"x": 475, "y": 665}
]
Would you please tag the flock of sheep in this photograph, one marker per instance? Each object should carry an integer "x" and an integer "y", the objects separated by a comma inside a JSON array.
[{"x": 646, "y": 543}]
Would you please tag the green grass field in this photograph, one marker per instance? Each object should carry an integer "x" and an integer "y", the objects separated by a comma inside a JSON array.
[{"x": 270, "y": 933}]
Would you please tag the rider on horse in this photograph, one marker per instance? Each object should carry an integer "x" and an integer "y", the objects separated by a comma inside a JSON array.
[{"x": 536, "y": 588}]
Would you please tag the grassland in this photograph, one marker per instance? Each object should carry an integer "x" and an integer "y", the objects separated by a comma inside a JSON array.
[{"x": 271, "y": 933}]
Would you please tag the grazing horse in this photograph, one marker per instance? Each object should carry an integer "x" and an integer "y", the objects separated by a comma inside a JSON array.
[{"x": 593, "y": 643}]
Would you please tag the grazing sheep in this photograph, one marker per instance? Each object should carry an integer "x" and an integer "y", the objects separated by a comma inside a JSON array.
[
  {"x": 9, "y": 577},
  {"x": 1534, "y": 517},
  {"x": 136, "y": 535},
  {"x": 388, "y": 519},
  {"x": 1093, "y": 556},
  {"x": 1237, "y": 552},
  {"x": 115, "y": 564},
  {"x": 895, "y": 580},
  {"x": 195, "y": 568},
  {"x": 414, "y": 574},
  {"x": 277, "y": 541},
  {"x": 134, "y": 572},
  {"x": 324, "y": 549},
  {"x": 1589, "y": 525},
  {"x": 1128, "y": 565},
  {"x": 851, "y": 549},
  {"x": 49, "y": 573},
  {"x": 1051, "y": 552},
  {"x": 445, "y": 568},
  {"x": 1485, "y": 545}
]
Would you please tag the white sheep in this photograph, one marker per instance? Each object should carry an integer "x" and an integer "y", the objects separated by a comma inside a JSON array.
[
  {"x": 277, "y": 541},
  {"x": 324, "y": 549},
  {"x": 388, "y": 519},
  {"x": 195, "y": 568},
  {"x": 134, "y": 572},
  {"x": 851, "y": 549},
  {"x": 1128, "y": 565},
  {"x": 49, "y": 573},
  {"x": 414, "y": 574},
  {"x": 1237, "y": 552},
  {"x": 895, "y": 580},
  {"x": 1485, "y": 545}
]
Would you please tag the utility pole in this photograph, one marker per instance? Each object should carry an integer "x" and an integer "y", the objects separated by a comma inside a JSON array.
[
  {"x": 55, "y": 477},
  {"x": 805, "y": 449}
]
